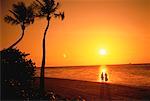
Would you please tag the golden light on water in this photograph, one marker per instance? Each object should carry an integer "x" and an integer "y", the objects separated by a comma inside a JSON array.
[{"x": 103, "y": 69}]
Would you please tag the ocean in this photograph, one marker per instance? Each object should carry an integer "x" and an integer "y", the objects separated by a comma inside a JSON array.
[{"x": 131, "y": 74}]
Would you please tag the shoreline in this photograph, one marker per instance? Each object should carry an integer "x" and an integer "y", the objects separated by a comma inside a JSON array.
[{"x": 94, "y": 91}]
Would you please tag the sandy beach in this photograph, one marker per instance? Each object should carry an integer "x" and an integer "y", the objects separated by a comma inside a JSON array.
[{"x": 95, "y": 91}]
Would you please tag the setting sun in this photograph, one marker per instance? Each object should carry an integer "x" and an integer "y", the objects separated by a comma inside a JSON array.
[
  {"x": 82, "y": 39},
  {"x": 102, "y": 52},
  {"x": 79, "y": 50}
]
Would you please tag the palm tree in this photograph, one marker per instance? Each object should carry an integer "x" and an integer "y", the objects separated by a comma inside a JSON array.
[
  {"x": 21, "y": 14},
  {"x": 47, "y": 9}
]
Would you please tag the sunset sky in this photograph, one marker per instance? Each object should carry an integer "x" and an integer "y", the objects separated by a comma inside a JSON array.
[{"x": 120, "y": 27}]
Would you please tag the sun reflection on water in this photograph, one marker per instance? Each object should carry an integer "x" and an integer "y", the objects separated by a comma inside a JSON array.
[{"x": 103, "y": 70}]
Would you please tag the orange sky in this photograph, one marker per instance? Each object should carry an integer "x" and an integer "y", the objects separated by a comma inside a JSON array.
[{"x": 122, "y": 27}]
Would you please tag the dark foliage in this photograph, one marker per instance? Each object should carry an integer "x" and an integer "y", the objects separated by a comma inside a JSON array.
[{"x": 17, "y": 74}]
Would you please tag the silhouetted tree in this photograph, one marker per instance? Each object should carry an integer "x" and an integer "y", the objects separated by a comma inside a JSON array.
[
  {"x": 21, "y": 14},
  {"x": 17, "y": 74},
  {"x": 46, "y": 9}
]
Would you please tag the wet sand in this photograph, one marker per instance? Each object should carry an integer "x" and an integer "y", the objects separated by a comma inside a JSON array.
[{"x": 95, "y": 91}]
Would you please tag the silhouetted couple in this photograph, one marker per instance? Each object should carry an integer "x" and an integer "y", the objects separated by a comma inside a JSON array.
[{"x": 104, "y": 77}]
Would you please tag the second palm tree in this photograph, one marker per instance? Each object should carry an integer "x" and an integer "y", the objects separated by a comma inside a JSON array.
[{"x": 47, "y": 9}]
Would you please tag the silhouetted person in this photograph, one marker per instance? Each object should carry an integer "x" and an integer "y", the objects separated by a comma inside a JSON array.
[
  {"x": 102, "y": 76},
  {"x": 106, "y": 78}
]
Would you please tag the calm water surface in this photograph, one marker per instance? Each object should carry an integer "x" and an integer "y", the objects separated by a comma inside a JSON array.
[{"x": 134, "y": 75}]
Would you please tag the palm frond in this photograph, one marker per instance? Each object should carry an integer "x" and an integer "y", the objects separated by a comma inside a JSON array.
[
  {"x": 11, "y": 20},
  {"x": 49, "y": 4},
  {"x": 14, "y": 14},
  {"x": 21, "y": 14},
  {"x": 30, "y": 14},
  {"x": 48, "y": 8},
  {"x": 54, "y": 8},
  {"x": 59, "y": 15},
  {"x": 20, "y": 10},
  {"x": 40, "y": 3},
  {"x": 62, "y": 16}
]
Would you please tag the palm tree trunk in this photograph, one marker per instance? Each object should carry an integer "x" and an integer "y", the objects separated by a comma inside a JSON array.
[
  {"x": 23, "y": 29},
  {"x": 42, "y": 83}
]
